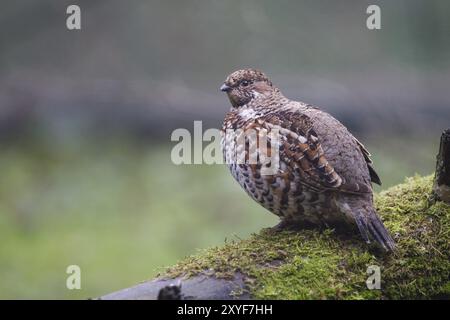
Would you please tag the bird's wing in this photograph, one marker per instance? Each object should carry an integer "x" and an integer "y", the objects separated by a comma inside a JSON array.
[
  {"x": 373, "y": 174},
  {"x": 301, "y": 151}
]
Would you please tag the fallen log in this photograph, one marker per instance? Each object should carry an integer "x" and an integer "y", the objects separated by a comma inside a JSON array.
[{"x": 314, "y": 264}]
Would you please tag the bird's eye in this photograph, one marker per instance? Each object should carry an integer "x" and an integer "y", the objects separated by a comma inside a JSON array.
[{"x": 245, "y": 83}]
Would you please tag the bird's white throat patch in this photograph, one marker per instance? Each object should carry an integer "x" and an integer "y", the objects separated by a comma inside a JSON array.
[
  {"x": 256, "y": 94},
  {"x": 247, "y": 113}
]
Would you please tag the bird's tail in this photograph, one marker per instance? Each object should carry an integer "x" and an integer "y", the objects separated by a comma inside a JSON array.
[{"x": 370, "y": 225}]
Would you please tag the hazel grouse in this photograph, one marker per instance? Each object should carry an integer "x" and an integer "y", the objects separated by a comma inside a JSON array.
[{"x": 324, "y": 175}]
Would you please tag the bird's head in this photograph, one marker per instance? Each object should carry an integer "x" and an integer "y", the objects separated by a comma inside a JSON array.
[{"x": 244, "y": 85}]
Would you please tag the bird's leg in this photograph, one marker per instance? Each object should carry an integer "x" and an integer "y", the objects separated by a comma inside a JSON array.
[
  {"x": 289, "y": 225},
  {"x": 284, "y": 225},
  {"x": 280, "y": 226}
]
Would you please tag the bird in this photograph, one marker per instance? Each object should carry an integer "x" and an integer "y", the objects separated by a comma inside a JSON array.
[{"x": 324, "y": 174}]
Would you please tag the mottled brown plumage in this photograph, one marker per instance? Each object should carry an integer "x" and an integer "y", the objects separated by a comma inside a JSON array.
[{"x": 324, "y": 174}]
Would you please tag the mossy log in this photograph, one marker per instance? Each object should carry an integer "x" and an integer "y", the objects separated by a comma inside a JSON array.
[{"x": 322, "y": 264}]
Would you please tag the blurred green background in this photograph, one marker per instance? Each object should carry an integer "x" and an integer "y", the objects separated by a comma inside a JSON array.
[{"x": 86, "y": 116}]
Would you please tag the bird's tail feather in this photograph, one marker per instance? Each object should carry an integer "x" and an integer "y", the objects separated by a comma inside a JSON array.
[{"x": 369, "y": 224}]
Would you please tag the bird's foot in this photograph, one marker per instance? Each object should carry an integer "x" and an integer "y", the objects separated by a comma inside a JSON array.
[
  {"x": 284, "y": 225},
  {"x": 292, "y": 226}
]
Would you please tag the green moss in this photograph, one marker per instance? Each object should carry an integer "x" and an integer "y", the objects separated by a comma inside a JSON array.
[{"x": 312, "y": 264}]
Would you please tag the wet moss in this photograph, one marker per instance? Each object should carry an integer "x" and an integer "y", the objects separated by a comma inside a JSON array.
[{"x": 313, "y": 264}]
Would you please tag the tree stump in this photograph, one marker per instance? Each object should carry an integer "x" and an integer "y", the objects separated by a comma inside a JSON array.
[{"x": 441, "y": 187}]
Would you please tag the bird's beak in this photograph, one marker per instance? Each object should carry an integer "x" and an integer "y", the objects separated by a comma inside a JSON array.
[{"x": 225, "y": 88}]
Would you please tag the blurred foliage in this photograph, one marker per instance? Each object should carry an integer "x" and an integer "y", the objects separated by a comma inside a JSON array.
[{"x": 199, "y": 40}]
